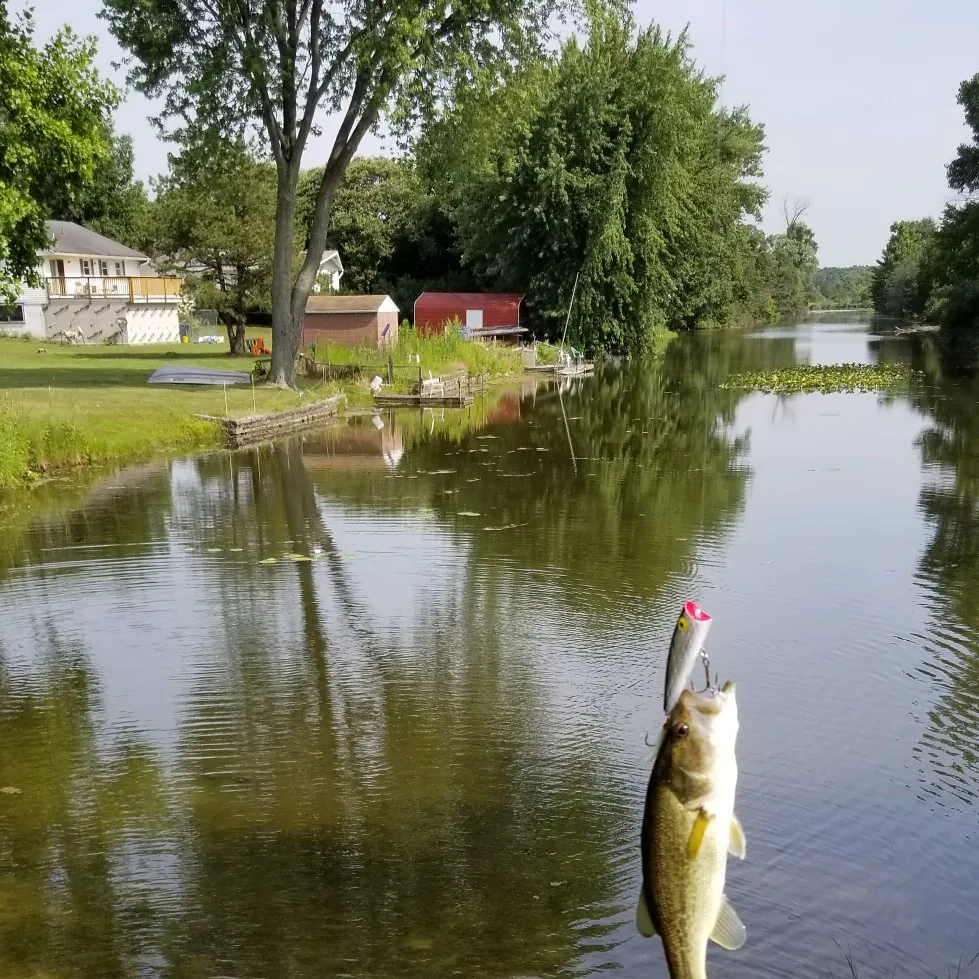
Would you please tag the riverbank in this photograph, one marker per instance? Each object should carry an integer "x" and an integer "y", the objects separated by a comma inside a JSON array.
[{"x": 65, "y": 408}]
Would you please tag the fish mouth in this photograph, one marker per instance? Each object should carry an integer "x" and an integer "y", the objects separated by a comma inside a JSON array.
[{"x": 714, "y": 702}]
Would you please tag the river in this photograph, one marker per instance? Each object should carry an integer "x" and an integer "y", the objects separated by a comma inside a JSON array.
[{"x": 421, "y": 753}]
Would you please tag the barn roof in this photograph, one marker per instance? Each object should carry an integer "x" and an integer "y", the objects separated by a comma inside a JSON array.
[
  {"x": 472, "y": 299},
  {"x": 350, "y": 304}
]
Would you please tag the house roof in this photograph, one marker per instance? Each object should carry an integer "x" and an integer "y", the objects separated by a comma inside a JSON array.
[
  {"x": 350, "y": 304},
  {"x": 331, "y": 256},
  {"x": 73, "y": 239}
]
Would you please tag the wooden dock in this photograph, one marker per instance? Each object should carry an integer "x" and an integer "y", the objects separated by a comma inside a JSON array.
[
  {"x": 581, "y": 369},
  {"x": 431, "y": 401},
  {"x": 455, "y": 390}
]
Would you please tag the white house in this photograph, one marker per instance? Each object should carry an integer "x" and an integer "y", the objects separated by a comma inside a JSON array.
[
  {"x": 97, "y": 288},
  {"x": 331, "y": 268}
]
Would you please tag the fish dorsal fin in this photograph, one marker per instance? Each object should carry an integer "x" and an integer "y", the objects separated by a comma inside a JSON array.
[
  {"x": 729, "y": 931},
  {"x": 697, "y": 832},
  {"x": 644, "y": 920},
  {"x": 737, "y": 845}
]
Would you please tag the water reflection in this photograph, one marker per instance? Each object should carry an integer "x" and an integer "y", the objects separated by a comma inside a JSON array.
[
  {"x": 948, "y": 751},
  {"x": 82, "y": 810},
  {"x": 372, "y": 702}
]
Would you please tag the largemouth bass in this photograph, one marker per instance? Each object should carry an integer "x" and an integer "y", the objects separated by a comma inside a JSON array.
[
  {"x": 689, "y": 636},
  {"x": 688, "y": 829}
]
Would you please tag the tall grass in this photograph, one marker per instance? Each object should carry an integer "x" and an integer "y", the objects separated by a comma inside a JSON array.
[
  {"x": 436, "y": 353},
  {"x": 32, "y": 444}
]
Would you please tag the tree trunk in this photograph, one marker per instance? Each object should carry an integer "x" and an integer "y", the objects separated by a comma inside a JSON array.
[
  {"x": 332, "y": 177},
  {"x": 236, "y": 338},
  {"x": 285, "y": 327},
  {"x": 235, "y": 326}
]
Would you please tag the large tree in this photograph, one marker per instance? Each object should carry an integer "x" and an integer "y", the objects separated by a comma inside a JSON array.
[
  {"x": 275, "y": 65},
  {"x": 613, "y": 162},
  {"x": 212, "y": 221},
  {"x": 896, "y": 287},
  {"x": 951, "y": 271},
  {"x": 53, "y": 109},
  {"x": 113, "y": 203}
]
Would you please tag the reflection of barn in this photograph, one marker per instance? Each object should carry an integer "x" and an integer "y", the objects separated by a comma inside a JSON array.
[
  {"x": 356, "y": 445},
  {"x": 506, "y": 409}
]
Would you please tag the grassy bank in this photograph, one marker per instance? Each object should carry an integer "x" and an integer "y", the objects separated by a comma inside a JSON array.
[
  {"x": 68, "y": 407},
  {"x": 76, "y": 406}
]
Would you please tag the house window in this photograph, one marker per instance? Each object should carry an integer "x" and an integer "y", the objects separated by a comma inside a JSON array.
[
  {"x": 11, "y": 314},
  {"x": 120, "y": 268},
  {"x": 87, "y": 265},
  {"x": 103, "y": 267}
]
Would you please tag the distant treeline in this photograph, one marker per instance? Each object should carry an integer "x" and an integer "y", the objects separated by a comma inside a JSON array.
[
  {"x": 843, "y": 288},
  {"x": 930, "y": 270}
]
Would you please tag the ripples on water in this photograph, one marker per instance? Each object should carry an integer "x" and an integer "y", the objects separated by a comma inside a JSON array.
[{"x": 421, "y": 752}]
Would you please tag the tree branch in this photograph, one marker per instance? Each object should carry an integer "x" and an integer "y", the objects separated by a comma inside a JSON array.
[{"x": 251, "y": 56}]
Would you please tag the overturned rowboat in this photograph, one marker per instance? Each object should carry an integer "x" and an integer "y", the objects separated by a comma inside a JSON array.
[{"x": 176, "y": 374}]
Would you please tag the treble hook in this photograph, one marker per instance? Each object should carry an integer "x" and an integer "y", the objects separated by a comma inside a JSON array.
[{"x": 705, "y": 659}]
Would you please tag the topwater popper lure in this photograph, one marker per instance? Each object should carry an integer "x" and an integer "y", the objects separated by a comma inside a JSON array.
[{"x": 686, "y": 645}]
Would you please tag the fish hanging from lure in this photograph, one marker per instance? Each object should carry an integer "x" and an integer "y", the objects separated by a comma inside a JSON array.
[
  {"x": 687, "y": 644},
  {"x": 689, "y": 827}
]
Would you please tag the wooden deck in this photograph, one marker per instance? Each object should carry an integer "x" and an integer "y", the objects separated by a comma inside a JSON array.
[{"x": 456, "y": 390}]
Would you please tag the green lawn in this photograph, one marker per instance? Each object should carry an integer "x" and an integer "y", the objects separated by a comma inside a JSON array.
[
  {"x": 62, "y": 407},
  {"x": 74, "y": 405}
]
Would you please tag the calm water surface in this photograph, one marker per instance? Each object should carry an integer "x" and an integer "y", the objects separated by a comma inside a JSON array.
[{"x": 421, "y": 753}]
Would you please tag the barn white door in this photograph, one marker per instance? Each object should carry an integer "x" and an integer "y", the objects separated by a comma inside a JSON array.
[{"x": 474, "y": 320}]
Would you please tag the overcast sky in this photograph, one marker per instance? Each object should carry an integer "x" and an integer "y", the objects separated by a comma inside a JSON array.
[{"x": 857, "y": 98}]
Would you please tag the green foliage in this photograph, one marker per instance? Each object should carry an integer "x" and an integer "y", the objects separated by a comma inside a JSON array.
[
  {"x": 823, "y": 379},
  {"x": 393, "y": 236},
  {"x": 612, "y": 162},
  {"x": 899, "y": 285},
  {"x": 213, "y": 219},
  {"x": 435, "y": 352},
  {"x": 53, "y": 106},
  {"x": 112, "y": 203},
  {"x": 954, "y": 267},
  {"x": 844, "y": 288},
  {"x": 376, "y": 207},
  {"x": 933, "y": 273},
  {"x": 265, "y": 68}
]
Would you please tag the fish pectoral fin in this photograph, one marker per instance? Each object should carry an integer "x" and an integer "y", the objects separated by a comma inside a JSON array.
[
  {"x": 737, "y": 844},
  {"x": 697, "y": 832},
  {"x": 644, "y": 920},
  {"x": 729, "y": 931}
]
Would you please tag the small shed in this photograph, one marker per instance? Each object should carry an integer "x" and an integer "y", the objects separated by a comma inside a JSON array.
[
  {"x": 483, "y": 313},
  {"x": 358, "y": 321}
]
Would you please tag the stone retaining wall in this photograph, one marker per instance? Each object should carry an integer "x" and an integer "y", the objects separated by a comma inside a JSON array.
[{"x": 262, "y": 428}]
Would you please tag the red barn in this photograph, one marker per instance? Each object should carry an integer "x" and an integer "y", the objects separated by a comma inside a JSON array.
[{"x": 485, "y": 313}]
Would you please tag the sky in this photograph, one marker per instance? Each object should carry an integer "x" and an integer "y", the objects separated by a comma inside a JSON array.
[{"x": 857, "y": 98}]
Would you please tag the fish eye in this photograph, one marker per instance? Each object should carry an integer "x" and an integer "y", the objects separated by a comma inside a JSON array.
[{"x": 681, "y": 730}]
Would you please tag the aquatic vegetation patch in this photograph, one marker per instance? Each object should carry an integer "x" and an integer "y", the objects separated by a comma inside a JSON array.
[{"x": 824, "y": 379}]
